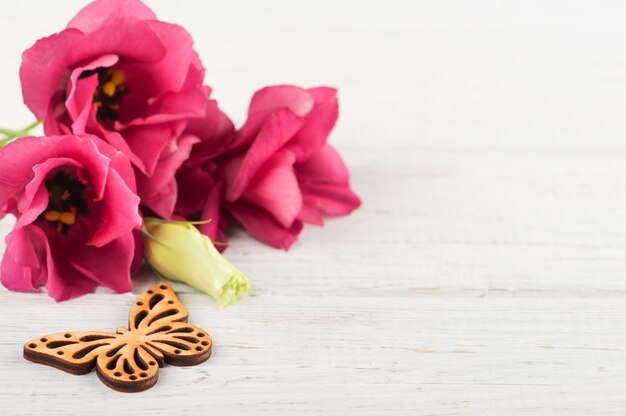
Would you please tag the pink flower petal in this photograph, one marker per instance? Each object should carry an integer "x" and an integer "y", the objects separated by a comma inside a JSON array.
[
  {"x": 332, "y": 199},
  {"x": 116, "y": 140},
  {"x": 194, "y": 188},
  {"x": 170, "y": 73},
  {"x": 264, "y": 227},
  {"x": 104, "y": 12},
  {"x": 138, "y": 256},
  {"x": 132, "y": 39},
  {"x": 268, "y": 101},
  {"x": 275, "y": 189},
  {"x": 119, "y": 162},
  {"x": 171, "y": 107},
  {"x": 325, "y": 165},
  {"x": 278, "y": 97},
  {"x": 24, "y": 265},
  {"x": 215, "y": 131},
  {"x": 64, "y": 281},
  {"x": 114, "y": 273},
  {"x": 277, "y": 130},
  {"x": 324, "y": 178},
  {"x": 159, "y": 191},
  {"x": 43, "y": 66},
  {"x": 309, "y": 213},
  {"x": 148, "y": 142},
  {"x": 319, "y": 123},
  {"x": 211, "y": 212},
  {"x": 81, "y": 90},
  {"x": 118, "y": 198},
  {"x": 35, "y": 198}
]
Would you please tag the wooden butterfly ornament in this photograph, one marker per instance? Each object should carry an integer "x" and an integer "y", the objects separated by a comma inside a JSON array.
[{"x": 129, "y": 360}]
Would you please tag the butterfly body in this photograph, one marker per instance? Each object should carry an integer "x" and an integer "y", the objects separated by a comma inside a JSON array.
[{"x": 129, "y": 359}]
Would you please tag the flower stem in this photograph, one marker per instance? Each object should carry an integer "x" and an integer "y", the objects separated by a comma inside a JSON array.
[{"x": 15, "y": 134}]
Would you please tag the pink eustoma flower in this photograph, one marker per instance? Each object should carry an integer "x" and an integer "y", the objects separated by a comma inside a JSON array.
[
  {"x": 200, "y": 180},
  {"x": 278, "y": 172},
  {"x": 120, "y": 74},
  {"x": 76, "y": 207}
]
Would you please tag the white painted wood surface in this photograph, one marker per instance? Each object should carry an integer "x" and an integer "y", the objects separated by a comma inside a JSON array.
[{"x": 486, "y": 271}]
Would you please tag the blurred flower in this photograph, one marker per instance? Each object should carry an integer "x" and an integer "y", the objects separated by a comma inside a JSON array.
[
  {"x": 178, "y": 251},
  {"x": 279, "y": 172},
  {"x": 76, "y": 207},
  {"x": 119, "y": 73}
]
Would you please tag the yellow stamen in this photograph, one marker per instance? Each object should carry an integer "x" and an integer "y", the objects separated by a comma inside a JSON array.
[
  {"x": 66, "y": 195},
  {"x": 118, "y": 78},
  {"x": 68, "y": 218},
  {"x": 98, "y": 104},
  {"x": 52, "y": 216},
  {"x": 109, "y": 89}
]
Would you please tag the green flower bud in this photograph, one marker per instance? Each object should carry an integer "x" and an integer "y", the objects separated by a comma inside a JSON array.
[{"x": 178, "y": 251}]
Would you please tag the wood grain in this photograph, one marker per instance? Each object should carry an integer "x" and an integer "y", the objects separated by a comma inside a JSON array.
[{"x": 485, "y": 273}]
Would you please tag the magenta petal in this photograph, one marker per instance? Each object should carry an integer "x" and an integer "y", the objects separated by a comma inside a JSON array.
[
  {"x": 64, "y": 281},
  {"x": 313, "y": 134},
  {"x": 264, "y": 227},
  {"x": 36, "y": 206},
  {"x": 43, "y": 65},
  {"x": 35, "y": 198},
  {"x": 170, "y": 73},
  {"x": 114, "y": 272},
  {"x": 172, "y": 107},
  {"x": 325, "y": 165},
  {"x": 116, "y": 140},
  {"x": 324, "y": 178},
  {"x": 104, "y": 12},
  {"x": 24, "y": 263},
  {"x": 138, "y": 256},
  {"x": 159, "y": 191},
  {"x": 119, "y": 162},
  {"x": 279, "y": 128},
  {"x": 268, "y": 101},
  {"x": 148, "y": 142},
  {"x": 275, "y": 189},
  {"x": 309, "y": 213},
  {"x": 118, "y": 198},
  {"x": 323, "y": 94},
  {"x": 132, "y": 39},
  {"x": 194, "y": 187},
  {"x": 211, "y": 212},
  {"x": 332, "y": 199},
  {"x": 53, "y": 124},
  {"x": 79, "y": 100},
  {"x": 215, "y": 131},
  {"x": 278, "y": 97}
]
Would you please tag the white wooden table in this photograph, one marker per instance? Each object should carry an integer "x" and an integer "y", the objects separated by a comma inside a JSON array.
[{"x": 485, "y": 273}]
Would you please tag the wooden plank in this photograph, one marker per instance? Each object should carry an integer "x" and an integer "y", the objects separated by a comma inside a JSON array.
[{"x": 349, "y": 356}]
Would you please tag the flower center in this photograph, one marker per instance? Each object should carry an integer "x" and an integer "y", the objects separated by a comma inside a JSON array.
[
  {"x": 111, "y": 88},
  {"x": 65, "y": 201}
]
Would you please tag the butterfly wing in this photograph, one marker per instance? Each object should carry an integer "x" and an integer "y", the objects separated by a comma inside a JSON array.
[
  {"x": 73, "y": 352},
  {"x": 163, "y": 318},
  {"x": 128, "y": 367},
  {"x": 181, "y": 343},
  {"x": 156, "y": 306}
]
